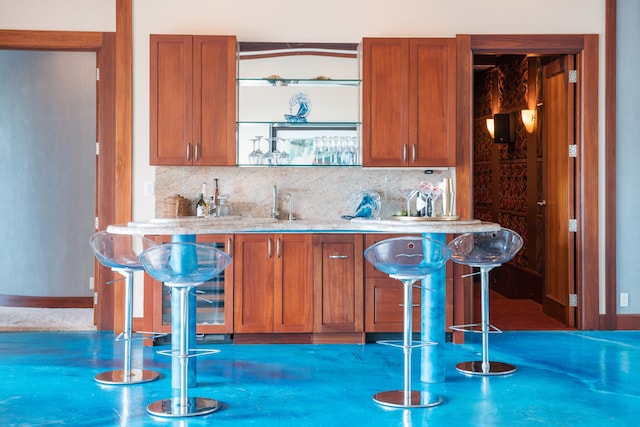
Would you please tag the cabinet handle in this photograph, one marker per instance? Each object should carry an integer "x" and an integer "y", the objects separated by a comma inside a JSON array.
[
  {"x": 278, "y": 248},
  {"x": 188, "y": 151},
  {"x": 338, "y": 256},
  {"x": 269, "y": 248},
  {"x": 413, "y": 153},
  {"x": 229, "y": 249},
  {"x": 197, "y": 152},
  {"x": 404, "y": 154}
]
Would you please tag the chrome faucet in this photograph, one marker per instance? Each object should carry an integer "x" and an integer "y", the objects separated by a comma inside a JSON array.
[
  {"x": 289, "y": 196},
  {"x": 275, "y": 212}
]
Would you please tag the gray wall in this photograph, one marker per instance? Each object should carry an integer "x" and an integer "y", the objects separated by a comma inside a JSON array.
[
  {"x": 47, "y": 172},
  {"x": 628, "y": 154}
]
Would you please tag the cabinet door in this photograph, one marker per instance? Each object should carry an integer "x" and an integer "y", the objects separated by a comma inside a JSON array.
[
  {"x": 192, "y": 100},
  {"x": 214, "y": 100},
  {"x": 170, "y": 100},
  {"x": 384, "y": 297},
  {"x": 293, "y": 289},
  {"x": 338, "y": 285},
  {"x": 432, "y": 102},
  {"x": 385, "y": 102},
  {"x": 254, "y": 278},
  {"x": 214, "y": 299},
  {"x": 408, "y": 102}
]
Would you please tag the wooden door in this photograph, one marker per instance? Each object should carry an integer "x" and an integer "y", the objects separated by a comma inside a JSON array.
[
  {"x": 432, "y": 102},
  {"x": 214, "y": 100},
  {"x": 253, "y": 288},
  {"x": 170, "y": 100},
  {"x": 385, "y": 101},
  {"x": 559, "y": 189},
  {"x": 293, "y": 286},
  {"x": 338, "y": 294}
]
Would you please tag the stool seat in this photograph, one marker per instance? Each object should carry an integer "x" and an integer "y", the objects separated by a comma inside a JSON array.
[
  {"x": 120, "y": 253},
  {"x": 486, "y": 251},
  {"x": 408, "y": 260},
  {"x": 183, "y": 266}
]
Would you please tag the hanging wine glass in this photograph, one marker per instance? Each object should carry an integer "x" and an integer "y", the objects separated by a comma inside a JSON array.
[
  {"x": 255, "y": 154},
  {"x": 318, "y": 149},
  {"x": 284, "y": 155},
  {"x": 269, "y": 157}
]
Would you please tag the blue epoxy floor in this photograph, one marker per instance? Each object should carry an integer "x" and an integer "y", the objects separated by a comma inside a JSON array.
[{"x": 563, "y": 379}]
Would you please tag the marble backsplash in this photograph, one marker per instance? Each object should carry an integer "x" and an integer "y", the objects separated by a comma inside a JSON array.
[{"x": 319, "y": 192}]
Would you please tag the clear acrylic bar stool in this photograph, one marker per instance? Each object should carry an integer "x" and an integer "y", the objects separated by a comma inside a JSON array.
[
  {"x": 183, "y": 266},
  {"x": 409, "y": 260},
  {"x": 485, "y": 251},
  {"x": 120, "y": 253}
]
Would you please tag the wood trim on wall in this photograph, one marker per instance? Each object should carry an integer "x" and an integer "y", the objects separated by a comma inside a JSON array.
[
  {"x": 45, "y": 302},
  {"x": 611, "y": 320},
  {"x": 124, "y": 134}
]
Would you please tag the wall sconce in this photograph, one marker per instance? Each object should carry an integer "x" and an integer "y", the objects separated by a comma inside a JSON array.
[
  {"x": 529, "y": 119},
  {"x": 490, "y": 127}
]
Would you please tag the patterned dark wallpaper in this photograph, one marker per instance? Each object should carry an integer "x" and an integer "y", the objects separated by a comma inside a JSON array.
[{"x": 504, "y": 201}]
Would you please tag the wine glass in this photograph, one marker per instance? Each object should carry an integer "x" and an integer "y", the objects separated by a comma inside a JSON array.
[
  {"x": 408, "y": 194},
  {"x": 284, "y": 155},
  {"x": 318, "y": 147},
  {"x": 255, "y": 156}
]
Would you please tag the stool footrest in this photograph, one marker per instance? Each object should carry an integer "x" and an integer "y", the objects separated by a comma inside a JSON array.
[
  {"x": 191, "y": 353},
  {"x": 472, "y": 327},
  {"x": 142, "y": 336},
  {"x": 400, "y": 343}
]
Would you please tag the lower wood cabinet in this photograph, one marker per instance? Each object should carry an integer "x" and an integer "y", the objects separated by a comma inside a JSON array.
[
  {"x": 214, "y": 299},
  {"x": 338, "y": 283},
  {"x": 384, "y": 297},
  {"x": 273, "y": 283}
]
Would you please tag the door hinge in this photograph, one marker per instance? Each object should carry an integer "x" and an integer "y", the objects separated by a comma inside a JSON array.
[
  {"x": 98, "y": 74},
  {"x": 573, "y": 76},
  {"x": 573, "y": 150},
  {"x": 98, "y": 148},
  {"x": 573, "y": 225},
  {"x": 97, "y": 223},
  {"x": 573, "y": 300}
]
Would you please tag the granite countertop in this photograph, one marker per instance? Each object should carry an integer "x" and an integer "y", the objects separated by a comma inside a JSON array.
[{"x": 237, "y": 225}]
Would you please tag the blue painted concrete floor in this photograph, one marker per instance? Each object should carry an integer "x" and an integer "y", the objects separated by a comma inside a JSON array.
[{"x": 564, "y": 378}]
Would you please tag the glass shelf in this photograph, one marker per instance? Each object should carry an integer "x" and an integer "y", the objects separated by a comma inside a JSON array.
[
  {"x": 319, "y": 125},
  {"x": 297, "y": 82}
]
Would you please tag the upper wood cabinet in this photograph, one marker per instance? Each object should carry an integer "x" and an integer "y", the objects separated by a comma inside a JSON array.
[
  {"x": 408, "y": 102},
  {"x": 193, "y": 100}
]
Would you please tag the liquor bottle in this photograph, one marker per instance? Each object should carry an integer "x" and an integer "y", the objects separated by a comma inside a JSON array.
[
  {"x": 201, "y": 206},
  {"x": 216, "y": 192}
]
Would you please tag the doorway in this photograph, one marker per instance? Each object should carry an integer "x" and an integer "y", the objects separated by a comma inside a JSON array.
[
  {"x": 47, "y": 174},
  {"x": 524, "y": 181},
  {"x": 585, "y": 48},
  {"x": 103, "y": 45}
]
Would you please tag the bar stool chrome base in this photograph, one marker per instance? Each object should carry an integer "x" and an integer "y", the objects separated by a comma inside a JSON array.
[
  {"x": 494, "y": 368},
  {"x": 170, "y": 408},
  {"x": 408, "y": 260},
  {"x": 120, "y": 377},
  {"x": 400, "y": 399}
]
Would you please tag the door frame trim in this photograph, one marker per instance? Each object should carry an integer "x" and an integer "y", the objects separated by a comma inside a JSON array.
[{"x": 585, "y": 47}]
